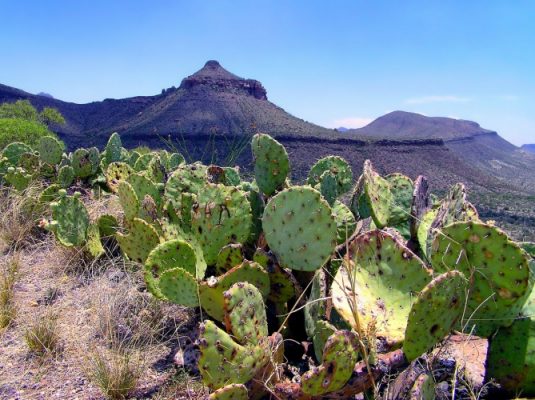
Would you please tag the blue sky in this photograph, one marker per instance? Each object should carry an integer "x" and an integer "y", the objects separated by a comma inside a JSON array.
[{"x": 329, "y": 62}]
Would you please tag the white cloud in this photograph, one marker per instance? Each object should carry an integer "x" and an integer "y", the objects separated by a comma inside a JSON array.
[
  {"x": 350, "y": 122},
  {"x": 437, "y": 99}
]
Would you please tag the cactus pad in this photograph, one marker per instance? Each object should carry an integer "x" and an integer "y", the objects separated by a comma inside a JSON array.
[
  {"x": 186, "y": 178},
  {"x": 50, "y": 150},
  {"x": 13, "y": 151},
  {"x": 94, "y": 245},
  {"x": 113, "y": 149},
  {"x": 144, "y": 186},
  {"x": 66, "y": 176},
  {"x": 117, "y": 172},
  {"x": 300, "y": 228},
  {"x": 212, "y": 289},
  {"x": 230, "y": 392},
  {"x": 497, "y": 268},
  {"x": 345, "y": 222},
  {"x": 271, "y": 163},
  {"x": 128, "y": 199},
  {"x": 328, "y": 187},
  {"x": 382, "y": 277},
  {"x": 434, "y": 313},
  {"x": 316, "y": 303},
  {"x": 339, "y": 357},
  {"x": 229, "y": 256},
  {"x": 140, "y": 240},
  {"x": 245, "y": 313},
  {"x": 338, "y": 167},
  {"x": 179, "y": 286},
  {"x": 402, "y": 189},
  {"x": 222, "y": 215},
  {"x": 70, "y": 219},
  {"x": 322, "y": 332}
]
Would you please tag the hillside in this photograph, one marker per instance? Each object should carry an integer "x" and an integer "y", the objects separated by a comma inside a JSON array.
[{"x": 528, "y": 147}]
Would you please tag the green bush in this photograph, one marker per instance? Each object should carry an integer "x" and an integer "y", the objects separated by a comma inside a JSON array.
[{"x": 19, "y": 130}]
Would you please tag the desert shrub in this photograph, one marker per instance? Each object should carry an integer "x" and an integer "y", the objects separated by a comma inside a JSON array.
[{"x": 18, "y": 130}]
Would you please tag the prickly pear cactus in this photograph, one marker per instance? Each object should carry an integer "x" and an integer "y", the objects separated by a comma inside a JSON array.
[
  {"x": 168, "y": 255},
  {"x": 230, "y": 392},
  {"x": 82, "y": 163},
  {"x": 338, "y": 167},
  {"x": 372, "y": 196},
  {"x": 94, "y": 244},
  {"x": 113, "y": 150},
  {"x": 300, "y": 228},
  {"x": 211, "y": 290},
  {"x": 140, "y": 240},
  {"x": 436, "y": 310},
  {"x": 345, "y": 222},
  {"x": 144, "y": 186},
  {"x": 328, "y": 187},
  {"x": 497, "y": 268},
  {"x": 511, "y": 359},
  {"x": 66, "y": 176},
  {"x": 402, "y": 189},
  {"x": 179, "y": 286},
  {"x": 271, "y": 163},
  {"x": 229, "y": 256},
  {"x": 378, "y": 284},
  {"x": 13, "y": 151},
  {"x": 50, "y": 150},
  {"x": 317, "y": 303},
  {"x": 175, "y": 159},
  {"x": 339, "y": 357},
  {"x": 322, "y": 332},
  {"x": 128, "y": 200},
  {"x": 117, "y": 172},
  {"x": 29, "y": 162},
  {"x": 186, "y": 178},
  {"x": 18, "y": 178},
  {"x": 70, "y": 219},
  {"x": 221, "y": 215},
  {"x": 224, "y": 361}
]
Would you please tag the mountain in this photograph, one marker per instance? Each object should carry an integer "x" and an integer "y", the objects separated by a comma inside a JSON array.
[
  {"x": 213, "y": 113},
  {"x": 528, "y": 147},
  {"x": 211, "y": 101}
]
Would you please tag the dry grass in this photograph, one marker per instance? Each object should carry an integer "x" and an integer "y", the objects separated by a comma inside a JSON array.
[
  {"x": 19, "y": 214},
  {"x": 8, "y": 276},
  {"x": 116, "y": 374},
  {"x": 42, "y": 337}
]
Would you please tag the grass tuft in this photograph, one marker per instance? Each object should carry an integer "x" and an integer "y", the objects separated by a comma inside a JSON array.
[
  {"x": 116, "y": 374},
  {"x": 41, "y": 336},
  {"x": 8, "y": 276}
]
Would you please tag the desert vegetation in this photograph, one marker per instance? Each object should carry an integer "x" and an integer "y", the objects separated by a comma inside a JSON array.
[{"x": 138, "y": 274}]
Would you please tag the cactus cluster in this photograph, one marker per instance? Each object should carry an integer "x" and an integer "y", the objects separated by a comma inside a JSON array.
[{"x": 389, "y": 269}]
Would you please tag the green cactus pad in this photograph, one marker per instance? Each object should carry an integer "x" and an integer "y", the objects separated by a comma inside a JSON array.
[
  {"x": 229, "y": 256},
  {"x": 529, "y": 248},
  {"x": 128, "y": 199},
  {"x": 322, "y": 332},
  {"x": 434, "y": 313},
  {"x": 338, "y": 167},
  {"x": 257, "y": 207},
  {"x": 174, "y": 161},
  {"x": 421, "y": 204},
  {"x": 179, "y": 287},
  {"x": 168, "y": 255},
  {"x": 316, "y": 303},
  {"x": 18, "y": 178},
  {"x": 81, "y": 163},
  {"x": 328, "y": 187},
  {"x": 222, "y": 215},
  {"x": 497, "y": 268},
  {"x": 212, "y": 289},
  {"x": 245, "y": 313},
  {"x": 13, "y": 151},
  {"x": 140, "y": 240},
  {"x": 144, "y": 186},
  {"x": 383, "y": 276},
  {"x": 148, "y": 210},
  {"x": 113, "y": 150},
  {"x": 29, "y": 162},
  {"x": 223, "y": 361},
  {"x": 50, "y": 150},
  {"x": 377, "y": 195},
  {"x": 402, "y": 189},
  {"x": 132, "y": 158},
  {"x": 94, "y": 245},
  {"x": 300, "y": 228},
  {"x": 271, "y": 163},
  {"x": 283, "y": 284},
  {"x": 339, "y": 357},
  {"x": 143, "y": 161},
  {"x": 49, "y": 194},
  {"x": 230, "y": 392},
  {"x": 70, "y": 219},
  {"x": 186, "y": 178},
  {"x": 511, "y": 359},
  {"x": 156, "y": 170},
  {"x": 345, "y": 222},
  {"x": 232, "y": 176},
  {"x": 117, "y": 172},
  {"x": 66, "y": 176}
]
